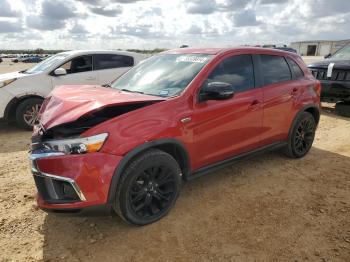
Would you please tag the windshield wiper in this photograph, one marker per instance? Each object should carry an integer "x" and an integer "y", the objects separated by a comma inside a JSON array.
[
  {"x": 107, "y": 85},
  {"x": 131, "y": 91}
]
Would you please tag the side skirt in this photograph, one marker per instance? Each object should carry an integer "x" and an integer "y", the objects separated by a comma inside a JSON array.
[{"x": 228, "y": 162}]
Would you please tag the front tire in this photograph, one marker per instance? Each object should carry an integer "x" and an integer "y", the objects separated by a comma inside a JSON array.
[
  {"x": 301, "y": 136},
  {"x": 27, "y": 113},
  {"x": 148, "y": 188}
]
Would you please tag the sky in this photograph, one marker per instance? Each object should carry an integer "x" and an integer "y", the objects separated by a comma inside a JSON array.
[{"x": 148, "y": 24}]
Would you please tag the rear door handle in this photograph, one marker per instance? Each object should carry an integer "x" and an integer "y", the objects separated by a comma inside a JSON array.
[
  {"x": 90, "y": 78},
  {"x": 255, "y": 102},
  {"x": 255, "y": 105},
  {"x": 295, "y": 90}
]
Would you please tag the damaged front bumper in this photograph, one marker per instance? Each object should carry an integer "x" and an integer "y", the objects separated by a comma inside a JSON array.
[
  {"x": 52, "y": 188},
  {"x": 72, "y": 183}
]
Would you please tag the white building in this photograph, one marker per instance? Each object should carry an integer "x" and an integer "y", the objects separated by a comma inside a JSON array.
[{"x": 318, "y": 47}]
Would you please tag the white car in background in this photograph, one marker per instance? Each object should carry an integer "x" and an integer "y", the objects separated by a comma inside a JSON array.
[{"x": 22, "y": 93}]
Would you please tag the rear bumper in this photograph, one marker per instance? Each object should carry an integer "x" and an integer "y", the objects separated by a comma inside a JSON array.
[
  {"x": 333, "y": 91},
  {"x": 73, "y": 183}
]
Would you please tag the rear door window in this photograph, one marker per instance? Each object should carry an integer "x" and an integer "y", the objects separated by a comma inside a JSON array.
[
  {"x": 108, "y": 61},
  {"x": 274, "y": 69},
  {"x": 236, "y": 70},
  {"x": 296, "y": 70}
]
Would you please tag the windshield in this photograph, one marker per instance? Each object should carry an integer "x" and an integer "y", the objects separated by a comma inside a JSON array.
[
  {"x": 343, "y": 53},
  {"x": 162, "y": 75},
  {"x": 41, "y": 67}
]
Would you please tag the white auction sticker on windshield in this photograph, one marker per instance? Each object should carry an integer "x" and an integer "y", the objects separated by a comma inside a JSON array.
[
  {"x": 163, "y": 92},
  {"x": 191, "y": 59}
]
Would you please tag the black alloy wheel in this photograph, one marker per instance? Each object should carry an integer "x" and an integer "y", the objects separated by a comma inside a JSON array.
[
  {"x": 301, "y": 136},
  {"x": 152, "y": 191},
  {"x": 148, "y": 188},
  {"x": 304, "y": 135}
]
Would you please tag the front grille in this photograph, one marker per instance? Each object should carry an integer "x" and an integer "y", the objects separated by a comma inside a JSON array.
[{"x": 337, "y": 74}]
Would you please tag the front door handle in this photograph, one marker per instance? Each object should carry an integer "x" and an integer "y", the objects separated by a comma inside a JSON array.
[{"x": 90, "y": 78}]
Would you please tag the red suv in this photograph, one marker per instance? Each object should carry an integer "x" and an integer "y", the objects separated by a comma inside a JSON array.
[{"x": 127, "y": 146}]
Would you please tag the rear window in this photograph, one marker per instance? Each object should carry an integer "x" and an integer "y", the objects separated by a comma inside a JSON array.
[
  {"x": 296, "y": 70},
  {"x": 274, "y": 69},
  {"x": 107, "y": 61}
]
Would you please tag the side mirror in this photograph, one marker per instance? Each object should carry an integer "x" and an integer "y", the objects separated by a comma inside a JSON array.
[
  {"x": 60, "y": 71},
  {"x": 216, "y": 91},
  {"x": 328, "y": 56}
]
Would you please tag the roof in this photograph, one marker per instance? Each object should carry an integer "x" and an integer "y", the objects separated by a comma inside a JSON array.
[
  {"x": 208, "y": 51},
  {"x": 215, "y": 51}
]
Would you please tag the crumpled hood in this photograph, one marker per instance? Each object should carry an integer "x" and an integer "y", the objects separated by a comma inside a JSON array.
[
  {"x": 338, "y": 64},
  {"x": 68, "y": 103},
  {"x": 12, "y": 75}
]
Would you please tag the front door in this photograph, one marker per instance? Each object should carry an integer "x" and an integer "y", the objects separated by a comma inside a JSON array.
[
  {"x": 224, "y": 128},
  {"x": 79, "y": 72}
]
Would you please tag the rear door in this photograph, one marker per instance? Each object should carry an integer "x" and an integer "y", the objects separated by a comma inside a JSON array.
[
  {"x": 110, "y": 66},
  {"x": 279, "y": 91},
  {"x": 79, "y": 72},
  {"x": 224, "y": 128}
]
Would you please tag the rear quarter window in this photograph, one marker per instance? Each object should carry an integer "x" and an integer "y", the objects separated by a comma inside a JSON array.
[
  {"x": 108, "y": 61},
  {"x": 274, "y": 69},
  {"x": 296, "y": 70}
]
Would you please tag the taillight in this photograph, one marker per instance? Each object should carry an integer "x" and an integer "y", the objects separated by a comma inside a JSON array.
[{"x": 317, "y": 88}]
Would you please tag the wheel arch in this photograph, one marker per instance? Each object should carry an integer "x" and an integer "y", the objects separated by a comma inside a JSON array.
[
  {"x": 169, "y": 145},
  {"x": 10, "y": 110},
  {"x": 312, "y": 109}
]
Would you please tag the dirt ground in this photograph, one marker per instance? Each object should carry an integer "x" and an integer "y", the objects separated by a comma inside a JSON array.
[{"x": 268, "y": 208}]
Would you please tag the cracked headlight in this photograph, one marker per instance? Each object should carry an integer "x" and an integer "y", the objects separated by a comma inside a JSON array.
[
  {"x": 6, "y": 82},
  {"x": 77, "y": 145}
]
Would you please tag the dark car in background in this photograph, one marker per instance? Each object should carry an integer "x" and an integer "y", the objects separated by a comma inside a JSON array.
[
  {"x": 32, "y": 59},
  {"x": 334, "y": 74}
]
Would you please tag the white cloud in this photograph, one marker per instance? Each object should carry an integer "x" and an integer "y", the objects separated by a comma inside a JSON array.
[
  {"x": 78, "y": 24},
  {"x": 7, "y": 11}
]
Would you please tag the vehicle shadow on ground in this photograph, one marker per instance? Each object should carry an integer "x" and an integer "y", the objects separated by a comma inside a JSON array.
[
  {"x": 242, "y": 212},
  {"x": 13, "y": 138}
]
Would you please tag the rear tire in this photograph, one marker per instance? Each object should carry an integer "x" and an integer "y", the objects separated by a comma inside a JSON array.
[
  {"x": 148, "y": 188},
  {"x": 27, "y": 113},
  {"x": 342, "y": 109},
  {"x": 301, "y": 136}
]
